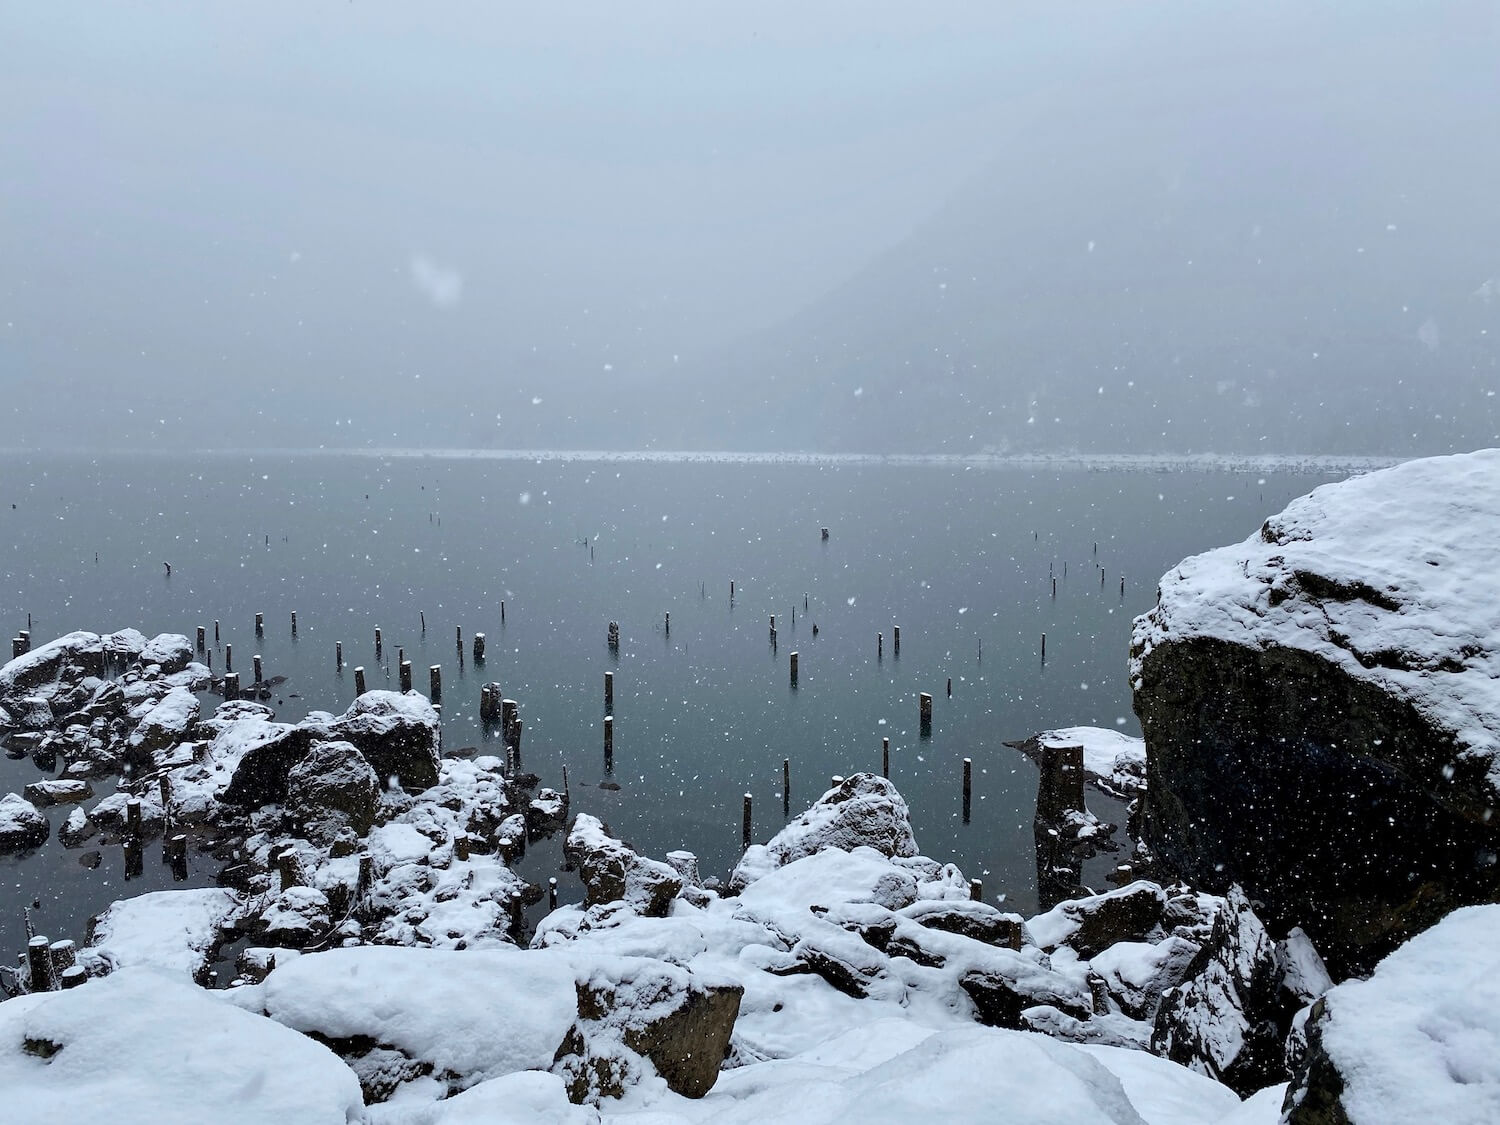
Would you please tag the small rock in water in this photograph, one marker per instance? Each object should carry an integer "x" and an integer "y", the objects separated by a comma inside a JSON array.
[
  {"x": 612, "y": 786},
  {"x": 91, "y": 860}
]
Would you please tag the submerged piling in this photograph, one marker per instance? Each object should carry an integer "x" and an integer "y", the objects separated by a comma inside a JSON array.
[
  {"x": 786, "y": 785},
  {"x": 478, "y": 648},
  {"x": 968, "y": 786},
  {"x": 885, "y": 758},
  {"x": 745, "y": 830},
  {"x": 609, "y": 743},
  {"x": 359, "y": 680},
  {"x": 405, "y": 667},
  {"x": 609, "y": 691},
  {"x": 435, "y": 682},
  {"x": 895, "y": 640},
  {"x": 793, "y": 663}
]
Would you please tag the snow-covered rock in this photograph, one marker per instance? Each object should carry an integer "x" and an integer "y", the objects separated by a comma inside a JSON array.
[
  {"x": 334, "y": 784},
  {"x": 77, "y": 829},
  {"x": 174, "y": 931},
  {"x": 58, "y": 791},
  {"x": 21, "y": 826},
  {"x": 399, "y": 735},
  {"x": 296, "y": 917},
  {"x": 861, "y": 811},
  {"x": 612, "y": 871},
  {"x": 141, "y": 1047},
  {"x": 1321, "y": 707},
  {"x": 165, "y": 725},
  {"x": 49, "y": 670},
  {"x": 171, "y": 652},
  {"x": 1417, "y": 1042}
]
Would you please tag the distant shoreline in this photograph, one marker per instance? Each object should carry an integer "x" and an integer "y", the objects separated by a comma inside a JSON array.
[{"x": 1139, "y": 462}]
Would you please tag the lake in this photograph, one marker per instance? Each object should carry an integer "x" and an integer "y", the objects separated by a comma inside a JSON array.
[{"x": 961, "y": 556}]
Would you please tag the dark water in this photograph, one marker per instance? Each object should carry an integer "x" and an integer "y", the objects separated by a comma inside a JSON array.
[{"x": 961, "y": 558}]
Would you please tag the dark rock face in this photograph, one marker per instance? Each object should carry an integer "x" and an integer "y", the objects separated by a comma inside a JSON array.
[
  {"x": 399, "y": 736},
  {"x": 335, "y": 780},
  {"x": 21, "y": 826},
  {"x": 1320, "y": 709},
  {"x": 1129, "y": 914},
  {"x": 1274, "y": 769},
  {"x": 657, "y": 1012},
  {"x": 262, "y": 774}
]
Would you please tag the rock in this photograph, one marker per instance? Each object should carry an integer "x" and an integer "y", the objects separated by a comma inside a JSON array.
[
  {"x": 51, "y": 669},
  {"x": 1415, "y": 1042},
  {"x": 651, "y": 1010},
  {"x": 178, "y": 932},
  {"x": 21, "y": 826},
  {"x": 862, "y": 811},
  {"x": 1090, "y": 925},
  {"x": 111, "y": 814},
  {"x": 977, "y": 920},
  {"x": 31, "y": 713},
  {"x": 611, "y": 870},
  {"x": 163, "y": 727},
  {"x": 546, "y": 813},
  {"x": 77, "y": 830},
  {"x": 261, "y": 776},
  {"x": 171, "y": 651},
  {"x": 335, "y": 779},
  {"x": 60, "y": 791},
  {"x": 1001, "y": 993},
  {"x": 1321, "y": 707},
  {"x": 297, "y": 917},
  {"x": 1226, "y": 1020},
  {"x": 399, "y": 735}
]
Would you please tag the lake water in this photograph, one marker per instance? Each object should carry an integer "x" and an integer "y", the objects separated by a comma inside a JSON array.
[{"x": 961, "y": 557}]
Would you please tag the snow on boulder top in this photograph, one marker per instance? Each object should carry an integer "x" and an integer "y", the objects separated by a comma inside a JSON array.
[
  {"x": 1419, "y": 1040},
  {"x": 140, "y": 1047},
  {"x": 1388, "y": 576},
  {"x": 79, "y": 652}
]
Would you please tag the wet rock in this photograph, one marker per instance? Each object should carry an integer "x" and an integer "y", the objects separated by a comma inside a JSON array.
[
  {"x": 611, "y": 870},
  {"x": 1320, "y": 709},
  {"x": 546, "y": 813},
  {"x": 77, "y": 830},
  {"x": 59, "y": 791},
  {"x": 862, "y": 811},
  {"x": 334, "y": 781},
  {"x": 399, "y": 735},
  {"x": 297, "y": 917},
  {"x": 172, "y": 652},
  {"x": 162, "y": 727},
  {"x": 21, "y": 826},
  {"x": 646, "y": 1010},
  {"x": 1226, "y": 1019}
]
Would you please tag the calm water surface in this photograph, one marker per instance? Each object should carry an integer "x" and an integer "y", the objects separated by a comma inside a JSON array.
[{"x": 961, "y": 558}]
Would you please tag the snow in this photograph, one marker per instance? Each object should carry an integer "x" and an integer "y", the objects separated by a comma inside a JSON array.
[
  {"x": 1305, "y": 974},
  {"x": 1413, "y": 548},
  {"x": 476, "y": 1013},
  {"x": 142, "y": 1047},
  {"x": 526, "y": 1098},
  {"x": 173, "y": 931},
  {"x": 1174, "y": 1094},
  {"x": 1261, "y": 1108},
  {"x": 1420, "y": 1040}
]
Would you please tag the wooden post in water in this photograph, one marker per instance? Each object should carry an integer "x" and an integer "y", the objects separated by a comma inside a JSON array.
[
  {"x": 667, "y": 625},
  {"x": 825, "y": 535},
  {"x": 1122, "y": 585},
  {"x": 229, "y": 658},
  {"x": 895, "y": 640},
  {"x": 39, "y": 963},
  {"x": 745, "y": 832},
  {"x": 879, "y": 646},
  {"x": 260, "y": 624},
  {"x": 885, "y": 758},
  {"x": 508, "y": 709},
  {"x": 502, "y": 611},
  {"x": 17, "y": 648},
  {"x": 231, "y": 685},
  {"x": 294, "y": 622},
  {"x": 786, "y": 785},
  {"x": 731, "y": 590},
  {"x": 359, "y": 680},
  {"x": 133, "y": 816},
  {"x": 567, "y": 795},
  {"x": 366, "y": 876},
  {"x": 609, "y": 743},
  {"x": 164, "y": 789},
  {"x": 478, "y": 648},
  {"x": 435, "y": 682},
  {"x": 515, "y": 740},
  {"x": 422, "y": 616},
  {"x": 258, "y": 668},
  {"x": 552, "y": 892},
  {"x": 134, "y": 857},
  {"x": 976, "y": 890},
  {"x": 378, "y": 642},
  {"x": 406, "y": 675},
  {"x": 968, "y": 786},
  {"x": 925, "y": 712},
  {"x": 25, "y": 635},
  {"x": 63, "y": 955},
  {"x": 458, "y": 637},
  {"x": 1054, "y": 585},
  {"x": 794, "y": 670},
  {"x": 609, "y": 691},
  {"x": 176, "y": 848},
  {"x": 202, "y": 636},
  {"x": 835, "y": 781},
  {"x": 400, "y": 655},
  {"x": 74, "y": 976},
  {"x": 1044, "y": 648},
  {"x": 216, "y": 632},
  {"x": 338, "y": 655}
]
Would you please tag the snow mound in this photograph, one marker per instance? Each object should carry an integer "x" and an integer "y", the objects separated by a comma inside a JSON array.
[
  {"x": 173, "y": 931},
  {"x": 142, "y": 1047}
]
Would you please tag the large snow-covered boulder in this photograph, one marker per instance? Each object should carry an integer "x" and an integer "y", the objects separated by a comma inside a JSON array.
[
  {"x": 861, "y": 811},
  {"x": 51, "y": 669},
  {"x": 1417, "y": 1042},
  {"x": 21, "y": 826},
  {"x": 334, "y": 782},
  {"x": 399, "y": 734},
  {"x": 1321, "y": 707},
  {"x": 141, "y": 1047},
  {"x": 172, "y": 652},
  {"x": 174, "y": 931}
]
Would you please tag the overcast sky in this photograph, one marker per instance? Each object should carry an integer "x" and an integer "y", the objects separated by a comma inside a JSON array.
[{"x": 273, "y": 213}]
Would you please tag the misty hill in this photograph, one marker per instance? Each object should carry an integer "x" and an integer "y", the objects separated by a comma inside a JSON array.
[{"x": 1251, "y": 273}]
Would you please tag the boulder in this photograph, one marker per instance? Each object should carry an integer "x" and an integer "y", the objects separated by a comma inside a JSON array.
[
  {"x": 977, "y": 920},
  {"x": 21, "y": 826},
  {"x": 163, "y": 727},
  {"x": 399, "y": 735},
  {"x": 1226, "y": 1020},
  {"x": 52, "y": 668},
  {"x": 633, "y": 1009},
  {"x": 77, "y": 830},
  {"x": 334, "y": 781},
  {"x": 1321, "y": 708},
  {"x": 262, "y": 773},
  {"x": 58, "y": 791},
  {"x": 861, "y": 811},
  {"x": 298, "y": 916},
  {"x": 172, "y": 652},
  {"x": 111, "y": 814},
  {"x": 612, "y": 871},
  {"x": 1418, "y": 1041},
  {"x": 1090, "y": 925},
  {"x": 31, "y": 713}
]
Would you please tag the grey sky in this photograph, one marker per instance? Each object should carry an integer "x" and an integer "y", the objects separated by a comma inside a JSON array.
[{"x": 386, "y": 222}]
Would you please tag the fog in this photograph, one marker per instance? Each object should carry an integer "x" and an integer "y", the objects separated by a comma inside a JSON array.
[{"x": 1237, "y": 227}]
